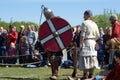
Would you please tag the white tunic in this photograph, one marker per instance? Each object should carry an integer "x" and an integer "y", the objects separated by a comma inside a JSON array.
[
  {"x": 88, "y": 55},
  {"x": 91, "y": 33}
]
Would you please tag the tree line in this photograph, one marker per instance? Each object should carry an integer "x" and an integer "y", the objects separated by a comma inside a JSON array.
[
  {"x": 102, "y": 20},
  {"x": 17, "y": 24}
]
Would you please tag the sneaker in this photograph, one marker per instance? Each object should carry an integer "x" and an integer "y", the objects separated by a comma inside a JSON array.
[
  {"x": 78, "y": 79},
  {"x": 53, "y": 78},
  {"x": 98, "y": 67},
  {"x": 45, "y": 66},
  {"x": 7, "y": 66}
]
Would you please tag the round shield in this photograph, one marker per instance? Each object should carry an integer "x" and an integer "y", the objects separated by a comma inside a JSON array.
[{"x": 55, "y": 34}]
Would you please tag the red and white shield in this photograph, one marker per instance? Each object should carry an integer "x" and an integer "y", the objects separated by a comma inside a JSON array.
[{"x": 55, "y": 34}]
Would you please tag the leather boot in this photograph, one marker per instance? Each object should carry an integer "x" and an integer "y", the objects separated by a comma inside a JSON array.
[
  {"x": 85, "y": 76},
  {"x": 54, "y": 66},
  {"x": 90, "y": 75}
]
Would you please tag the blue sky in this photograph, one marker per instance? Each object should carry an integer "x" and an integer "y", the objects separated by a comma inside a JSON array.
[{"x": 71, "y": 10}]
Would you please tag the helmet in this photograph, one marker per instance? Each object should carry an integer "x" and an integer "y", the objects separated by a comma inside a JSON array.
[
  {"x": 48, "y": 13},
  {"x": 47, "y": 10}
]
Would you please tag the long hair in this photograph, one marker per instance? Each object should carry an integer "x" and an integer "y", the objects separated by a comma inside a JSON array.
[{"x": 108, "y": 31}]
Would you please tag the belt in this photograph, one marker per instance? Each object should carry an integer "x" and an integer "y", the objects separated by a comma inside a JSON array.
[{"x": 89, "y": 39}]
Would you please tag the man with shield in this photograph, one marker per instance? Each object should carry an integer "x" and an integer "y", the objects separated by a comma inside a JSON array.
[{"x": 52, "y": 35}]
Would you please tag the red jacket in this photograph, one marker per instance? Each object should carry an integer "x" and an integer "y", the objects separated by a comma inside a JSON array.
[
  {"x": 114, "y": 74},
  {"x": 116, "y": 30},
  {"x": 11, "y": 37}
]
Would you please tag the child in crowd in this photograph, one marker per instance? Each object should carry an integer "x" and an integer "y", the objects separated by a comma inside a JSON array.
[
  {"x": 24, "y": 49},
  {"x": 37, "y": 57},
  {"x": 11, "y": 54},
  {"x": 100, "y": 52}
]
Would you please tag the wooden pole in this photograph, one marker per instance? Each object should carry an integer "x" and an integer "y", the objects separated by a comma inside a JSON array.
[{"x": 74, "y": 74}]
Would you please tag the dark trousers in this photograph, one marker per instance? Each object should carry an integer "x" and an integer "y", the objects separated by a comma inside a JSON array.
[
  {"x": 2, "y": 54},
  {"x": 11, "y": 60}
]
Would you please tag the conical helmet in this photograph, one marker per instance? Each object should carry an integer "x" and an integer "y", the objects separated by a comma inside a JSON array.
[
  {"x": 47, "y": 10},
  {"x": 48, "y": 13}
]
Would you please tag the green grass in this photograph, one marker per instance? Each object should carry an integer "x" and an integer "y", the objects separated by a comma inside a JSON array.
[{"x": 18, "y": 73}]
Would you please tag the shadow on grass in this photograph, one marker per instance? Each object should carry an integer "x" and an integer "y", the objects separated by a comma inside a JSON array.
[{"x": 13, "y": 78}]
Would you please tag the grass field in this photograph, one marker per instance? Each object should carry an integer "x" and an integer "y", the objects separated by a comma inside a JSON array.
[{"x": 41, "y": 73}]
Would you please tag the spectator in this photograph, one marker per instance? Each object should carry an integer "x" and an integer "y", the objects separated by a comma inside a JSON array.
[
  {"x": 106, "y": 38},
  {"x": 32, "y": 39},
  {"x": 114, "y": 74},
  {"x": 76, "y": 37},
  {"x": 100, "y": 52},
  {"x": 115, "y": 36},
  {"x": 24, "y": 49},
  {"x": 11, "y": 37},
  {"x": 20, "y": 34},
  {"x": 115, "y": 26},
  {"x": 37, "y": 58},
  {"x": 34, "y": 29},
  {"x": 40, "y": 48},
  {"x": 11, "y": 54},
  {"x": 2, "y": 45},
  {"x": 101, "y": 32}
]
